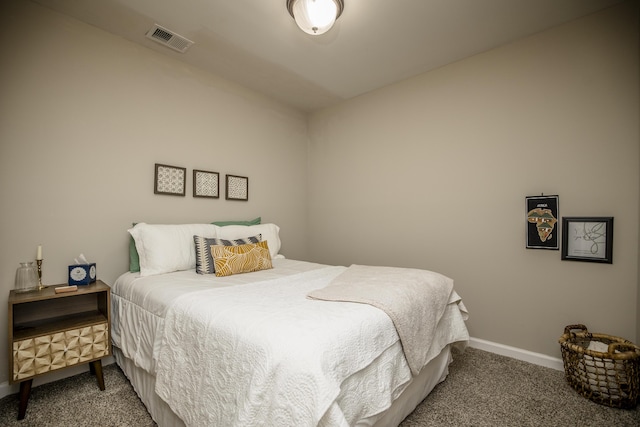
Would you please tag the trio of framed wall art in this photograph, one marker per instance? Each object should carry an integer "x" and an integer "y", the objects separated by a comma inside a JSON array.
[
  {"x": 587, "y": 239},
  {"x": 172, "y": 181}
]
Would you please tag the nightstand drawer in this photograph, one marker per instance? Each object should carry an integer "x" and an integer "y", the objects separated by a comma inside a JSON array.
[{"x": 37, "y": 355}]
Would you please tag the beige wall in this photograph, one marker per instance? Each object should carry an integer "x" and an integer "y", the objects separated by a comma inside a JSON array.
[
  {"x": 84, "y": 116},
  {"x": 433, "y": 173}
]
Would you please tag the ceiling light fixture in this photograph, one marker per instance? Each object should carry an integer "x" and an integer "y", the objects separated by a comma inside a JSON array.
[{"x": 315, "y": 17}]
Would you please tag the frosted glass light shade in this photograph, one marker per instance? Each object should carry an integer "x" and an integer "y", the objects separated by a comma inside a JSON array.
[{"x": 315, "y": 17}]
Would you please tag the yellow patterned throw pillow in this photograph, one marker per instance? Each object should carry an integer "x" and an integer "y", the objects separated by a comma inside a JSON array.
[{"x": 230, "y": 260}]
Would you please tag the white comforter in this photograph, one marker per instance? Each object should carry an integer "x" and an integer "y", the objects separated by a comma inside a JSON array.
[{"x": 264, "y": 354}]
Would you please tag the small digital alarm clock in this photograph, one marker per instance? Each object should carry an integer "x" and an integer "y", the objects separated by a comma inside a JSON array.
[{"x": 82, "y": 274}]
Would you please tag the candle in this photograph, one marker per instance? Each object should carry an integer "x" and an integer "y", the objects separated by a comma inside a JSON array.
[{"x": 39, "y": 255}]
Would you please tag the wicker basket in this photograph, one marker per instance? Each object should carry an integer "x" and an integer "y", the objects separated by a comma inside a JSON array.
[{"x": 610, "y": 377}]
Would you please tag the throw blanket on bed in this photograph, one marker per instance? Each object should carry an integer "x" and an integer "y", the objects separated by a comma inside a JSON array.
[
  {"x": 414, "y": 299},
  {"x": 264, "y": 354}
]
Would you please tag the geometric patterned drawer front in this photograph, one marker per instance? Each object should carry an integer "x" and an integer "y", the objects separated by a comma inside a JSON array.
[{"x": 46, "y": 353}]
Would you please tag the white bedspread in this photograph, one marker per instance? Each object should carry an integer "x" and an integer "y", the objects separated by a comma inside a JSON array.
[
  {"x": 239, "y": 351},
  {"x": 264, "y": 354},
  {"x": 139, "y": 304}
]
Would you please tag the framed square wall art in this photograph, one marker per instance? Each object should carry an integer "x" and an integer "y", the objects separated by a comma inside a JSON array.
[
  {"x": 206, "y": 184},
  {"x": 542, "y": 219},
  {"x": 171, "y": 180},
  {"x": 237, "y": 187},
  {"x": 587, "y": 239}
]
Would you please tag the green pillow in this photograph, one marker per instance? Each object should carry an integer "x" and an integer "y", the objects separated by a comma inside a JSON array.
[
  {"x": 252, "y": 222},
  {"x": 134, "y": 258}
]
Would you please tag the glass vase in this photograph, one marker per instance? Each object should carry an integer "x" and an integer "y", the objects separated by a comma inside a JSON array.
[{"x": 26, "y": 277}]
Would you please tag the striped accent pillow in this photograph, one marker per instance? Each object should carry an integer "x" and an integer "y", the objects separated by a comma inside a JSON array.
[
  {"x": 241, "y": 259},
  {"x": 204, "y": 260}
]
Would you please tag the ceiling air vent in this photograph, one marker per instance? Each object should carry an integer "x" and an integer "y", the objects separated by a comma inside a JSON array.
[{"x": 169, "y": 38}]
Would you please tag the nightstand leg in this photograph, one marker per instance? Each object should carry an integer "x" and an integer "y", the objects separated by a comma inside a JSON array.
[
  {"x": 96, "y": 368},
  {"x": 25, "y": 392}
]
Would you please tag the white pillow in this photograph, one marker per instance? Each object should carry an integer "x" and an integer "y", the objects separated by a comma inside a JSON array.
[
  {"x": 270, "y": 234},
  {"x": 164, "y": 248}
]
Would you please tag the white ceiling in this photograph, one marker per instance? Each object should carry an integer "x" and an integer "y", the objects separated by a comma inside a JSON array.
[{"x": 374, "y": 43}]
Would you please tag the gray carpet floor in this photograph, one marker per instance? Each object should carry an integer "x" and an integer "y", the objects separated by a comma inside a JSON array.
[{"x": 483, "y": 389}]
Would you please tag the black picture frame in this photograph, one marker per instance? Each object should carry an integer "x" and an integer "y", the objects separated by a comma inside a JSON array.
[
  {"x": 236, "y": 187},
  {"x": 588, "y": 239},
  {"x": 170, "y": 180},
  {"x": 206, "y": 184},
  {"x": 542, "y": 222}
]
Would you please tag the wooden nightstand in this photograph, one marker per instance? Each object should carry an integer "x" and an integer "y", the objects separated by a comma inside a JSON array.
[{"x": 50, "y": 331}]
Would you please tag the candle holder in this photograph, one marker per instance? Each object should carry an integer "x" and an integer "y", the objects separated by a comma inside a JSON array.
[{"x": 40, "y": 286}]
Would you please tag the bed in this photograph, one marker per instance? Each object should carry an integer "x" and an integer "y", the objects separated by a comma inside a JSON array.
[{"x": 275, "y": 345}]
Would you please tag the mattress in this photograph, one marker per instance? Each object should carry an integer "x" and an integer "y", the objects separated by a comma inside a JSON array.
[{"x": 141, "y": 305}]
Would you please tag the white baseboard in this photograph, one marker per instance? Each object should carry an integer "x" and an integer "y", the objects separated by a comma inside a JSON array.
[
  {"x": 6, "y": 389},
  {"x": 517, "y": 353}
]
